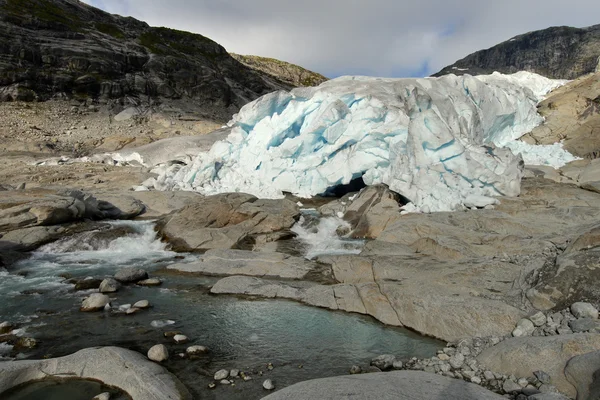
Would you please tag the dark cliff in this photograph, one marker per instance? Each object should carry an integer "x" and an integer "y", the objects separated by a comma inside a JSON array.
[
  {"x": 65, "y": 48},
  {"x": 559, "y": 52}
]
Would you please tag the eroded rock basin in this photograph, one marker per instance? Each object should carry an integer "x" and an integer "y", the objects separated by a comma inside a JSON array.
[
  {"x": 301, "y": 342},
  {"x": 61, "y": 389}
]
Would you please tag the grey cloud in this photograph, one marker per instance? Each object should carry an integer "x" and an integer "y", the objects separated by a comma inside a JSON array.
[{"x": 379, "y": 37}]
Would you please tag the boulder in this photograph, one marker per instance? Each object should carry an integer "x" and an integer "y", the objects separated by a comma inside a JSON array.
[
  {"x": 582, "y": 372},
  {"x": 372, "y": 210},
  {"x": 109, "y": 285},
  {"x": 584, "y": 310},
  {"x": 158, "y": 353},
  {"x": 225, "y": 220},
  {"x": 523, "y": 356},
  {"x": 124, "y": 369},
  {"x": 95, "y": 302},
  {"x": 131, "y": 275},
  {"x": 396, "y": 385}
]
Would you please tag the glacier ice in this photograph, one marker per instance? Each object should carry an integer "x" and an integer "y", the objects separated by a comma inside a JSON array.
[{"x": 437, "y": 141}]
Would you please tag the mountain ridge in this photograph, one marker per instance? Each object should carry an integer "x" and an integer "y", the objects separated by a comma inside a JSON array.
[
  {"x": 66, "y": 48},
  {"x": 560, "y": 52}
]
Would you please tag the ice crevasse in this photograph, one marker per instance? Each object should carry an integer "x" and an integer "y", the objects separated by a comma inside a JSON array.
[{"x": 440, "y": 142}]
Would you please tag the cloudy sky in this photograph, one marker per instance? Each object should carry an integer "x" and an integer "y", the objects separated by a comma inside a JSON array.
[{"x": 343, "y": 37}]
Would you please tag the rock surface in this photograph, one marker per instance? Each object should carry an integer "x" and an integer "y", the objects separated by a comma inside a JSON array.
[
  {"x": 291, "y": 74},
  {"x": 224, "y": 221},
  {"x": 67, "y": 47},
  {"x": 523, "y": 356},
  {"x": 397, "y": 385},
  {"x": 113, "y": 366},
  {"x": 242, "y": 262},
  {"x": 582, "y": 372}
]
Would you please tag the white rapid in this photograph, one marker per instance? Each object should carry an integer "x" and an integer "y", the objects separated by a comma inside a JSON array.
[{"x": 321, "y": 236}]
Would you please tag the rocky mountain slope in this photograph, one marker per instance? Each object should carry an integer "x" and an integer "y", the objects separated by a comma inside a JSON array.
[
  {"x": 54, "y": 48},
  {"x": 558, "y": 52},
  {"x": 572, "y": 115},
  {"x": 286, "y": 72}
]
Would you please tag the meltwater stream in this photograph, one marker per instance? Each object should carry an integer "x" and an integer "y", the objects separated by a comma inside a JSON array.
[{"x": 300, "y": 341}]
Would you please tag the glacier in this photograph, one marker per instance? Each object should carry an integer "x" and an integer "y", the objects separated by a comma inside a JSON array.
[{"x": 440, "y": 142}]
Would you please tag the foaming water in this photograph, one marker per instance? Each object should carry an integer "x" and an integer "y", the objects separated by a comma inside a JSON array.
[
  {"x": 321, "y": 236},
  {"x": 99, "y": 253}
]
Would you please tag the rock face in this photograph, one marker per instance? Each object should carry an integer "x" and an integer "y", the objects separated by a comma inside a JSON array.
[
  {"x": 558, "y": 52},
  {"x": 398, "y": 385},
  {"x": 572, "y": 116},
  {"x": 223, "y": 221},
  {"x": 53, "y": 47},
  {"x": 582, "y": 372},
  {"x": 113, "y": 366},
  {"x": 291, "y": 74},
  {"x": 523, "y": 356},
  {"x": 242, "y": 262},
  {"x": 422, "y": 269}
]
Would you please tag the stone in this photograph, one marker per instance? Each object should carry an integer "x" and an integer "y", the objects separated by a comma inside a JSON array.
[
  {"x": 130, "y": 275},
  {"x": 584, "y": 325},
  {"x": 124, "y": 369},
  {"x": 457, "y": 360},
  {"x": 132, "y": 310},
  {"x": 384, "y": 362},
  {"x": 523, "y": 382},
  {"x": 476, "y": 380},
  {"x": 538, "y": 318},
  {"x": 489, "y": 375},
  {"x": 546, "y": 388},
  {"x": 542, "y": 376},
  {"x": 397, "y": 364},
  {"x": 95, "y": 302},
  {"x": 179, "y": 339},
  {"x": 524, "y": 328},
  {"x": 548, "y": 396},
  {"x": 443, "y": 357},
  {"x": 109, "y": 285},
  {"x": 268, "y": 384},
  {"x": 158, "y": 353},
  {"x": 221, "y": 374},
  {"x": 87, "y": 284},
  {"x": 355, "y": 369},
  {"x": 582, "y": 372},
  {"x": 196, "y": 350},
  {"x": 413, "y": 385},
  {"x": 511, "y": 387},
  {"x": 523, "y": 356},
  {"x": 234, "y": 373},
  {"x": 25, "y": 343},
  {"x": 584, "y": 310},
  {"x": 142, "y": 304},
  {"x": 6, "y": 327},
  {"x": 102, "y": 396},
  {"x": 149, "y": 282},
  {"x": 225, "y": 382},
  {"x": 530, "y": 390}
]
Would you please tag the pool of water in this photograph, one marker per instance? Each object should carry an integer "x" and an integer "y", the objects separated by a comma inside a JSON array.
[
  {"x": 62, "y": 389},
  {"x": 301, "y": 342}
]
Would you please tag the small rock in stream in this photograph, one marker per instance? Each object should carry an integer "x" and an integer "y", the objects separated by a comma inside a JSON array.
[
  {"x": 221, "y": 374},
  {"x": 158, "y": 353},
  {"x": 268, "y": 384},
  {"x": 142, "y": 304},
  {"x": 109, "y": 285},
  {"x": 95, "y": 302}
]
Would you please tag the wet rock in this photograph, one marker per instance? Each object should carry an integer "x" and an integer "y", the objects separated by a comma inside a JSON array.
[
  {"x": 355, "y": 369},
  {"x": 109, "y": 285},
  {"x": 221, "y": 374},
  {"x": 196, "y": 350},
  {"x": 6, "y": 327},
  {"x": 149, "y": 282},
  {"x": 170, "y": 334},
  {"x": 142, "y": 304},
  {"x": 87, "y": 284},
  {"x": 95, "y": 302},
  {"x": 158, "y": 353},
  {"x": 584, "y": 310},
  {"x": 102, "y": 396},
  {"x": 179, "y": 339},
  {"x": 124, "y": 307},
  {"x": 234, "y": 373},
  {"x": 25, "y": 343},
  {"x": 268, "y": 384},
  {"x": 131, "y": 275},
  {"x": 132, "y": 310},
  {"x": 384, "y": 362}
]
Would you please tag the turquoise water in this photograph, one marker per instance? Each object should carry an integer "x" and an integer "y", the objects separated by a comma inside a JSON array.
[{"x": 301, "y": 342}]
